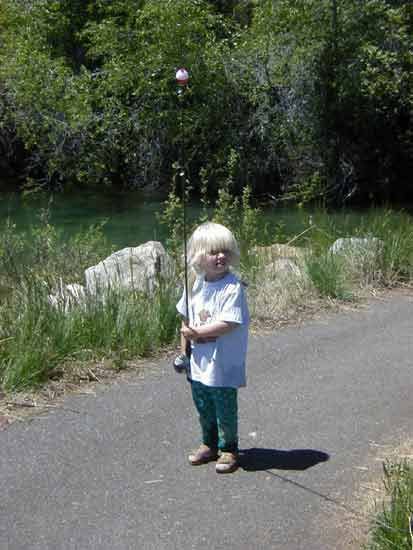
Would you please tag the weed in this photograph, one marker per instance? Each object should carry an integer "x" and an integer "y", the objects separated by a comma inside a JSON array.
[
  {"x": 120, "y": 324},
  {"x": 37, "y": 333},
  {"x": 326, "y": 272},
  {"x": 390, "y": 528}
]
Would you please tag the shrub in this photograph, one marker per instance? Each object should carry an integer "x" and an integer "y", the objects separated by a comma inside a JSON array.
[
  {"x": 390, "y": 527},
  {"x": 326, "y": 272}
]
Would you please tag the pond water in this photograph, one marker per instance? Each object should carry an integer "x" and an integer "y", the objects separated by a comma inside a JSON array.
[{"x": 130, "y": 217}]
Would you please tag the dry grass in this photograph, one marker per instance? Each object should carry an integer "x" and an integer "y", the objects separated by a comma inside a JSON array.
[
  {"x": 281, "y": 292},
  {"x": 280, "y": 285},
  {"x": 352, "y": 522},
  {"x": 277, "y": 297}
]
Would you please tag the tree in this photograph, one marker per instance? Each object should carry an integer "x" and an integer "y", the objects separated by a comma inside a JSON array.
[
  {"x": 310, "y": 100},
  {"x": 330, "y": 84},
  {"x": 374, "y": 99},
  {"x": 110, "y": 114}
]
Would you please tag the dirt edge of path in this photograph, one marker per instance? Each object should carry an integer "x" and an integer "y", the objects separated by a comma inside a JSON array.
[{"x": 350, "y": 522}]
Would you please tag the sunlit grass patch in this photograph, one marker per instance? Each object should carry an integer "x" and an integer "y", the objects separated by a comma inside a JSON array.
[
  {"x": 37, "y": 333},
  {"x": 391, "y": 524},
  {"x": 327, "y": 274},
  {"x": 37, "y": 336}
]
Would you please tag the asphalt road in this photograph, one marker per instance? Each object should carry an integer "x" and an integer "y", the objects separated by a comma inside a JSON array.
[{"x": 109, "y": 471}]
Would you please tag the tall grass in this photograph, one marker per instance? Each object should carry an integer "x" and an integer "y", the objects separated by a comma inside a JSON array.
[
  {"x": 384, "y": 260},
  {"x": 395, "y": 230},
  {"x": 37, "y": 335},
  {"x": 323, "y": 274},
  {"x": 43, "y": 252},
  {"x": 390, "y": 529},
  {"x": 327, "y": 274}
]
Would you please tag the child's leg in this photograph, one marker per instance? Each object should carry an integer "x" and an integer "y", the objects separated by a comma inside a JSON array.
[
  {"x": 226, "y": 407},
  {"x": 205, "y": 405}
]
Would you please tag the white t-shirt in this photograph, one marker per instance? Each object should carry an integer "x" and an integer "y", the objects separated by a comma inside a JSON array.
[{"x": 220, "y": 363}]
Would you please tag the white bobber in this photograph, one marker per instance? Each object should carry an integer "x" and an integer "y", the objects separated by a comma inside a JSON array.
[{"x": 182, "y": 77}]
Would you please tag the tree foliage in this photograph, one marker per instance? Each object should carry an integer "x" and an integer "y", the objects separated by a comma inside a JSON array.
[{"x": 312, "y": 98}]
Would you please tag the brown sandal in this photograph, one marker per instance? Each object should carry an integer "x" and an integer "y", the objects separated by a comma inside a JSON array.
[
  {"x": 203, "y": 455},
  {"x": 227, "y": 463}
]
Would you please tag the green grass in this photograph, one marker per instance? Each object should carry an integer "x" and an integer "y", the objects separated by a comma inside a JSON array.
[
  {"x": 390, "y": 528},
  {"x": 327, "y": 274},
  {"x": 388, "y": 263},
  {"x": 36, "y": 337},
  {"x": 396, "y": 232}
]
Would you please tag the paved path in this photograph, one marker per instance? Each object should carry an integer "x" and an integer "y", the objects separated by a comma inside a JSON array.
[{"x": 109, "y": 472}]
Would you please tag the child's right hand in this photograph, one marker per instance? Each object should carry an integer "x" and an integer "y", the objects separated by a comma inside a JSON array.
[{"x": 189, "y": 333}]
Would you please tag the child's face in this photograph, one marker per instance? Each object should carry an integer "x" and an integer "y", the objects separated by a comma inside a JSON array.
[{"x": 216, "y": 264}]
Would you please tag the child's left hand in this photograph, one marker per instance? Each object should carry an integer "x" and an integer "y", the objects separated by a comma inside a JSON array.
[{"x": 190, "y": 333}]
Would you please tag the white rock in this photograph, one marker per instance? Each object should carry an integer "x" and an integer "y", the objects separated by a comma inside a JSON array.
[
  {"x": 357, "y": 245},
  {"x": 137, "y": 268}
]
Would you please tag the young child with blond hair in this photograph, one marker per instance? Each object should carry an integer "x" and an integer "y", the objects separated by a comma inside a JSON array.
[{"x": 216, "y": 325}]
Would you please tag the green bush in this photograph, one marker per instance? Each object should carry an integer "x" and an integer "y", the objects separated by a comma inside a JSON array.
[
  {"x": 390, "y": 528},
  {"x": 315, "y": 101},
  {"x": 327, "y": 274}
]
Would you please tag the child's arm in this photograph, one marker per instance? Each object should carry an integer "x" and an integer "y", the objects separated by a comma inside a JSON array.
[{"x": 213, "y": 330}]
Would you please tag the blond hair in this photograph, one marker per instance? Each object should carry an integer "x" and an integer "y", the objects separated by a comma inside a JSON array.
[{"x": 209, "y": 238}]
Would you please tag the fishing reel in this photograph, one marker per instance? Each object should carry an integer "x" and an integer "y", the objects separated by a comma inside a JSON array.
[{"x": 181, "y": 363}]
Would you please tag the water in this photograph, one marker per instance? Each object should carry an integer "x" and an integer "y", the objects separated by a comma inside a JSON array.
[{"x": 130, "y": 217}]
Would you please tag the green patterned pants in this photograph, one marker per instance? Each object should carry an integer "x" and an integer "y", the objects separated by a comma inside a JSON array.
[{"x": 218, "y": 415}]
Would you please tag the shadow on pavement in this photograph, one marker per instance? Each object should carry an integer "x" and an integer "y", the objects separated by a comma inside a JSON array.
[{"x": 254, "y": 459}]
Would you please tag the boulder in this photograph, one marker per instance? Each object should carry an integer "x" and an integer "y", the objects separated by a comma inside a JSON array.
[
  {"x": 132, "y": 268},
  {"x": 357, "y": 246},
  {"x": 281, "y": 260}
]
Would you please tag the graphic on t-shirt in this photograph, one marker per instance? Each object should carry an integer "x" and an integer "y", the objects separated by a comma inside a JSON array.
[{"x": 204, "y": 315}]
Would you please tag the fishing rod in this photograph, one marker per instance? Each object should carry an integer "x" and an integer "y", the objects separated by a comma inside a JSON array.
[
  {"x": 182, "y": 79},
  {"x": 181, "y": 362}
]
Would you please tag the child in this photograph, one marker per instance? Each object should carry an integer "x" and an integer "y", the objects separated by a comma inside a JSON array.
[{"x": 216, "y": 325}]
